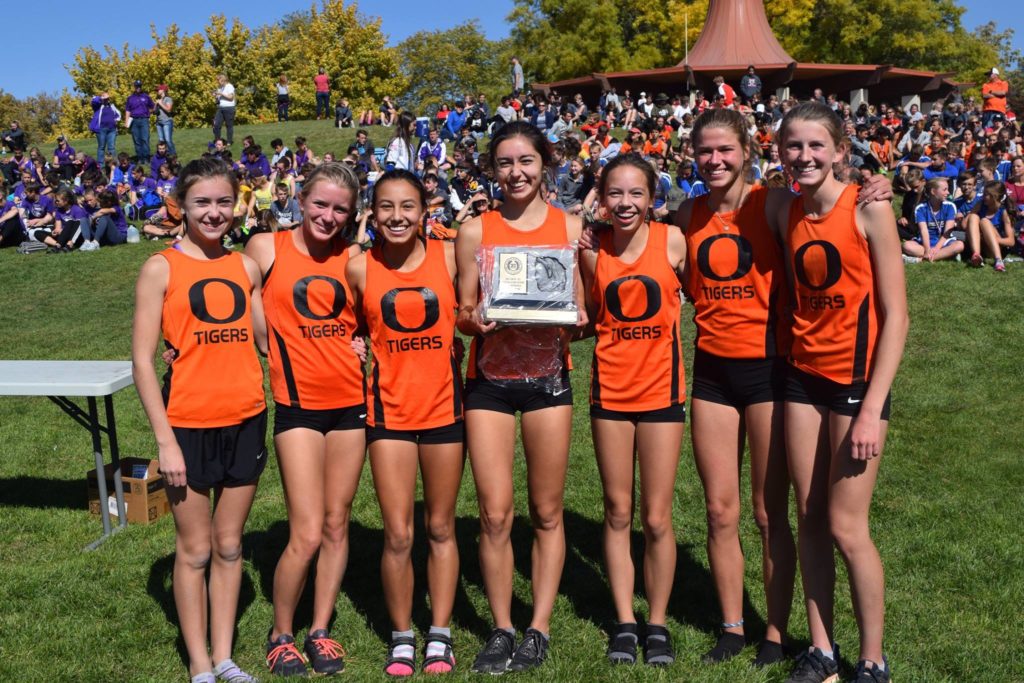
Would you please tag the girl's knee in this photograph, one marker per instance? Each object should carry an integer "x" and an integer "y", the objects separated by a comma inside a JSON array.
[
  {"x": 723, "y": 516},
  {"x": 546, "y": 516},
  {"x": 657, "y": 524},
  {"x": 618, "y": 514},
  {"x": 496, "y": 522},
  {"x": 194, "y": 553},
  {"x": 398, "y": 539}
]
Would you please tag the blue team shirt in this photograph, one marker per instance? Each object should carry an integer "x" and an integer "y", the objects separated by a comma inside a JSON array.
[{"x": 935, "y": 220}]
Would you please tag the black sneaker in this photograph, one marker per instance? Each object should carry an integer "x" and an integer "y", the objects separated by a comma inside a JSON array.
[
  {"x": 283, "y": 658},
  {"x": 496, "y": 654},
  {"x": 813, "y": 666},
  {"x": 323, "y": 653},
  {"x": 875, "y": 674},
  {"x": 531, "y": 651}
]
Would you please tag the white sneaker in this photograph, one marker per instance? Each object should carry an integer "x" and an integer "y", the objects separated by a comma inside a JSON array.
[
  {"x": 89, "y": 245},
  {"x": 911, "y": 259}
]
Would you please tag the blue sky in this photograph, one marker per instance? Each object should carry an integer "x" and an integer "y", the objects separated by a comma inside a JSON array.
[{"x": 48, "y": 50}]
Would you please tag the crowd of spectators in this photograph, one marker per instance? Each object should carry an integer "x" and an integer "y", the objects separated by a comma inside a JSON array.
[{"x": 957, "y": 167}]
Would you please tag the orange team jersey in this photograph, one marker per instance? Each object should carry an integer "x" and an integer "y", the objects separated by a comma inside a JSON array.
[
  {"x": 655, "y": 146},
  {"x": 882, "y": 150},
  {"x": 736, "y": 280},
  {"x": 310, "y": 321},
  {"x": 995, "y": 103},
  {"x": 216, "y": 379},
  {"x": 764, "y": 141},
  {"x": 637, "y": 358},
  {"x": 497, "y": 232},
  {"x": 835, "y": 326},
  {"x": 415, "y": 381}
]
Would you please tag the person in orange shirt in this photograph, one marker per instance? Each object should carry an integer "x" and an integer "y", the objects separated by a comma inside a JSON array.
[
  {"x": 994, "y": 94},
  {"x": 519, "y": 155},
  {"x": 404, "y": 291},
  {"x": 319, "y": 419},
  {"x": 637, "y": 395},
  {"x": 210, "y": 418},
  {"x": 849, "y": 328},
  {"x": 654, "y": 145}
]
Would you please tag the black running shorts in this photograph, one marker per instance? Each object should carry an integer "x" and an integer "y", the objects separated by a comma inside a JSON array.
[
  {"x": 844, "y": 399},
  {"x": 737, "y": 382},
  {"x": 224, "y": 456},
  {"x": 676, "y": 413},
  {"x": 453, "y": 433},
  {"x": 514, "y": 397},
  {"x": 323, "y": 421}
]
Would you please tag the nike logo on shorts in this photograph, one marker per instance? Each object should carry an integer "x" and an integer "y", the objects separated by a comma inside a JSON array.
[
  {"x": 362, "y": 416},
  {"x": 262, "y": 453},
  {"x": 852, "y": 401}
]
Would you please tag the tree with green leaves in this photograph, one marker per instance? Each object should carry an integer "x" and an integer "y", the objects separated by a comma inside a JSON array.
[{"x": 442, "y": 65}]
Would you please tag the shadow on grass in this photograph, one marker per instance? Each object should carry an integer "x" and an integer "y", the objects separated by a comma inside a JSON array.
[
  {"x": 362, "y": 584},
  {"x": 159, "y": 587},
  {"x": 40, "y": 492}
]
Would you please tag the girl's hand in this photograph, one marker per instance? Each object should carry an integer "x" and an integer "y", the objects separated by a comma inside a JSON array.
[
  {"x": 359, "y": 346},
  {"x": 469, "y": 322},
  {"x": 172, "y": 465},
  {"x": 865, "y": 437},
  {"x": 168, "y": 356}
]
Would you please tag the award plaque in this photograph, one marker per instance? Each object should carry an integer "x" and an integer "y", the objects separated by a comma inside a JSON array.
[{"x": 532, "y": 285}]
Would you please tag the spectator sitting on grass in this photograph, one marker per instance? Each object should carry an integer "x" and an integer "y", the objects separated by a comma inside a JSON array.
[
  {"x": 912, "y": 184},
  {"x": 69, "y": 218},
  {"x": 572, "y": 188},
  {"x": 64, "y": 158},
  {"x": 12, "y": 233},
  {"x": 432, "y": 147},
  {"x": 935, "y": 218},
  {"x": 303, "y": 153},
  {"x": 255, "y": 161},
  {"x": 279, "y": 151},
  {"x": 108, "y": 225},
  {"x": 37, "y": 209},
  {"x": 966, "y": 198},
  {"x": 143, "y": 199},
  {"x": 285, "y": 207},
  {"x": 454, "y": 122},
  {"x": 990, "y": 227},
  {"x": 342, "y": 114},
  {"x": 161, "y": 157}
]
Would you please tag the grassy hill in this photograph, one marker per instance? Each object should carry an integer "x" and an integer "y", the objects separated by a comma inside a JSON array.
[
  {"x": 946, "y": 513},
  {"x": 321, "y": 136}
]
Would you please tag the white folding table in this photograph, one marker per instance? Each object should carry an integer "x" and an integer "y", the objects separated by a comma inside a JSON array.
[{"x": 58, "y": 380}]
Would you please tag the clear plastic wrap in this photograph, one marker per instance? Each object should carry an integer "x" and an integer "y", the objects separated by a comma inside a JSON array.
[
  {"x": 532, "y": 285},
  {"x": 530, "y": 292}
]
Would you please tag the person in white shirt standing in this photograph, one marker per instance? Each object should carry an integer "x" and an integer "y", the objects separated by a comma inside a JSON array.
[{"x": 225, "y": 116}]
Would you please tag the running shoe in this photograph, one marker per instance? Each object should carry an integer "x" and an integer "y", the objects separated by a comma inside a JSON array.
[
  {"x": 813, "y": 666},
  {"x": 977, "y": 261},
  {"x": 875, "y": 674},
  {"x": 1000, "y": 266},
  {"x": 911, "y": 259},
  {"x": 496, "y": 654},
  {"x": 323, "y": 653},
  {"x": 283, "y": 658},
  {"x": 531, "y": 651}
]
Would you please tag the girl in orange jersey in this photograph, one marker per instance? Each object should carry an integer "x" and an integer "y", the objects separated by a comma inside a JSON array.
[
  {"x": 320, "y": 415},
  {"x": 849, "y": 327},
  {"x": 637, "y": 395},
  {"x": 519, "y": 155},
  {"x": 210, "y": 420},
  {"x": 735, "y": 278},
  {"x": 404, "y": 289}
]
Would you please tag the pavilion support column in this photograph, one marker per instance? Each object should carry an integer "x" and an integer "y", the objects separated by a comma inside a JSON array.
[
  {"x": 782, "y": 93},
  {"x": 858, "y": 97},
  {"x": 908, "y": 100}
]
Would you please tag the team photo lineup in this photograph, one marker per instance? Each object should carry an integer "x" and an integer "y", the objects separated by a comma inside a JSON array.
[{"x": 419, "y": 307}]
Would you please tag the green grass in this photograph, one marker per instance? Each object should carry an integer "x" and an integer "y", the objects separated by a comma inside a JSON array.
[{"x": 946, "y": 512}]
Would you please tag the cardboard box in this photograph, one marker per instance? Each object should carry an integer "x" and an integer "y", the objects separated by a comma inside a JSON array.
[{"x": 145, "y": 497}]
